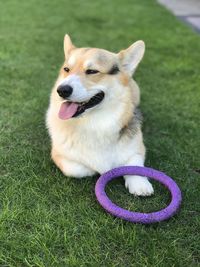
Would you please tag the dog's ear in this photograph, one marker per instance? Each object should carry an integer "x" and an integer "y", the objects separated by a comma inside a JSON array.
[
  {"x": 131, "y": 57},
  {"x": 68, "y": 45}
]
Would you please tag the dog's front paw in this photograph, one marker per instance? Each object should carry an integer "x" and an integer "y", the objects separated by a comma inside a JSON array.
[{"x": 138, "y": 185}]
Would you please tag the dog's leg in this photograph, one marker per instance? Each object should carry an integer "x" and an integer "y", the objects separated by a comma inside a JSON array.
[
  {"x": 71, "y": 168},
  {"x": 138, "y": 185}
]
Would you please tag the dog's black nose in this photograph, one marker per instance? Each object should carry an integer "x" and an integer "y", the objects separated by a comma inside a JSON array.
[{"x": 64, "y": 90}]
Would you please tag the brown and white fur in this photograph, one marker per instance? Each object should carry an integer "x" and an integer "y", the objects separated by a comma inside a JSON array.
[{"x": 109, "y": 134}]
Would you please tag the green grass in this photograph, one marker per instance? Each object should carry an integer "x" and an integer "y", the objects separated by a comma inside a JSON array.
[{"x": 47, "y": 219}]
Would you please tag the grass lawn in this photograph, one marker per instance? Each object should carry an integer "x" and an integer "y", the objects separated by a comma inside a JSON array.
[{"x": 47, "y": 219}]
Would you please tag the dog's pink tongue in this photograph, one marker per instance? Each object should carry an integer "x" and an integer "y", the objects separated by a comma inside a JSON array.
[{"x": 67, "y": 110}]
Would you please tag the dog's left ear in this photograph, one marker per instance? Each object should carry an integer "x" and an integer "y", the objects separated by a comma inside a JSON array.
[
  {"x": 68, "y": 45},
  {"x": 131, "y": 57}
]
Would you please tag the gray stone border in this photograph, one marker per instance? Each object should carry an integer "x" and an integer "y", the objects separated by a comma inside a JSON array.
[
  {"x": 187, "y": 11},
  {"x": 185, "y": 20}
]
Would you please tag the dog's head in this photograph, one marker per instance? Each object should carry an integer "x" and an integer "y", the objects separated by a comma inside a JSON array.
[{"x": 91, "y": 76}]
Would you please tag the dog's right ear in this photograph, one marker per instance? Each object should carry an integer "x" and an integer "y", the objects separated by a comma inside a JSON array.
[
  {"x": 68, "y": 45},
  {"x": 131, "y": 57}
]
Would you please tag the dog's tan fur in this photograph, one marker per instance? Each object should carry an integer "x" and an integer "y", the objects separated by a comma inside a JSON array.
[{"x": 108, "y": 135}]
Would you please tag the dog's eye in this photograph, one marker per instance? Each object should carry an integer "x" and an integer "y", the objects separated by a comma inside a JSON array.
[
  {"x": 91, "y": 71},
  {"x": 66, "y": 69}
]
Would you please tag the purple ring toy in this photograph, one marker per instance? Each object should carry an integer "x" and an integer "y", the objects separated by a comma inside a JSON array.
[{"x": 137, "y": 217}]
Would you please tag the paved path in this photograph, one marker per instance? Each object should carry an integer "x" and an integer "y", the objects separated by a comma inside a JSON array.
[{"x": 187, "y": 10}]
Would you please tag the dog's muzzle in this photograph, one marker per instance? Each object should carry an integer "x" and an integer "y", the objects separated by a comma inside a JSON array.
[{"x": 70, "y": 109}]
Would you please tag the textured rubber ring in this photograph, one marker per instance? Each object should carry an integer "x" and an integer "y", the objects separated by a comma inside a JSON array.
[{"x": 137, "y": 217}]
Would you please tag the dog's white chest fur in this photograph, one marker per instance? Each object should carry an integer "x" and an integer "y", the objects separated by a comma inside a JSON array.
[{"x": 95, "y": 148}]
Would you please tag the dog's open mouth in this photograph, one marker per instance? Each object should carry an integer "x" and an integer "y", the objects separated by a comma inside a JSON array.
[{"x": 73, "y": 109}]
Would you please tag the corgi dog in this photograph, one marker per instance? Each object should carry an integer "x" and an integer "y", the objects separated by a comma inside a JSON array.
[{"x": 93, "y": 118}]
